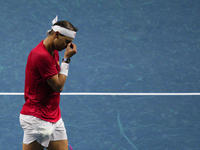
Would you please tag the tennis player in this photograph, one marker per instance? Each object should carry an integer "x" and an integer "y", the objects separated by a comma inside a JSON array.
[{"x": 40, "y": 116}]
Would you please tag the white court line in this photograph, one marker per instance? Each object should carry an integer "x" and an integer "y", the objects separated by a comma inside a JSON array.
[
  {"x": 120, "y": 94},
  {"x": 131, "y": 94}
]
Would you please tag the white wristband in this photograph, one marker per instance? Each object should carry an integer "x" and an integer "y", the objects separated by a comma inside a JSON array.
[{"x": 64, "y": 67}]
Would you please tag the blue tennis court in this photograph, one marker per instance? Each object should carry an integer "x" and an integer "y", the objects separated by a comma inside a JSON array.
[{"x": 129, "y": 46}]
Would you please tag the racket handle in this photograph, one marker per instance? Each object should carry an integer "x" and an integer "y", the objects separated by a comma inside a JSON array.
[{"x": 70, "y": 147}]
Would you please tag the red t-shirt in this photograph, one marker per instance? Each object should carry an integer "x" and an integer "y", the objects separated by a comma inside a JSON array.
[{"x": 40, "y": 99}]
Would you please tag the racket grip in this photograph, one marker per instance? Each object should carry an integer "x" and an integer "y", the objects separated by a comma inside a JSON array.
[{"x": 70, "y": 147}]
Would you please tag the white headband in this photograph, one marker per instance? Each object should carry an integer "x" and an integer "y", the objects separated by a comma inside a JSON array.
[{"x": 63, "y": 31}]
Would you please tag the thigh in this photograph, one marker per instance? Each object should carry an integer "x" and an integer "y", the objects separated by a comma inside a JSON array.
[
  {"x": 59, "y": 133},
  {"x": 58, "y": 145},
  {"x": 32, "y": 146},
  {"x": 35, "y": 129}
]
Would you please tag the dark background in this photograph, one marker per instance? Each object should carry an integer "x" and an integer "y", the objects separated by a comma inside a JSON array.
[{"x": 123, "y": 46}]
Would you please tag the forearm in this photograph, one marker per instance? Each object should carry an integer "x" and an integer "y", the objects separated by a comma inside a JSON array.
[
  {"x": 62, "y": 78},
  {"x": 57, "y": 82}
]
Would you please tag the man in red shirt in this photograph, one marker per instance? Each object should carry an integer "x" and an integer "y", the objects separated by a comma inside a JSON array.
[{"x": 40, "y": 116}]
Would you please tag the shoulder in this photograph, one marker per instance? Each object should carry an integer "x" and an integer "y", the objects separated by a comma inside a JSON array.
[
  {"x": 40, "y": 58},
  {"x": 40, "y": 53}
]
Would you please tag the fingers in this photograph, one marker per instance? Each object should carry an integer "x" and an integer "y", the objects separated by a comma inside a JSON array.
[
  {"x": 74, "y": 47},
  {"x": 71, "y": 50},
  {"x": 71, "y": 46}
]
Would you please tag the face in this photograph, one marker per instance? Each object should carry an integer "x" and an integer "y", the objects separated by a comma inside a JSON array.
[{"x": 61, "y": 42}]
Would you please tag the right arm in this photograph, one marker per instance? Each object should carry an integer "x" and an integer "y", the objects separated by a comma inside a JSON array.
[{"x": 57, "y": 81}]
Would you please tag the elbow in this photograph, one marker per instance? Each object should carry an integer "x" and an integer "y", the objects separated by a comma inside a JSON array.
[
  {"x": 55, "y": 84},
  {"x": 58, "y": 90}
]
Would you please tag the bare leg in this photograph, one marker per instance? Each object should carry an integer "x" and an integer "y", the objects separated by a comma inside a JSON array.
[
  {"x": 58, "y": 145},
  {"x": 32, "y": 146}
]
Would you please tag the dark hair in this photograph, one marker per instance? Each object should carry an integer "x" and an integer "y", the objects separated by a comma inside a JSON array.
[
  {"x": 67, "y": 25},
  {"x": 64, "y": 24}
]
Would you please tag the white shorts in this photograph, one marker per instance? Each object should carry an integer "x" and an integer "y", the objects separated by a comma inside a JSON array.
[{"x": 42, "y": 131}]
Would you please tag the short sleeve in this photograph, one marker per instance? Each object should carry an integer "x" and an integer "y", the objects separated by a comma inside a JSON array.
[{"x": 46, "y": 66}]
